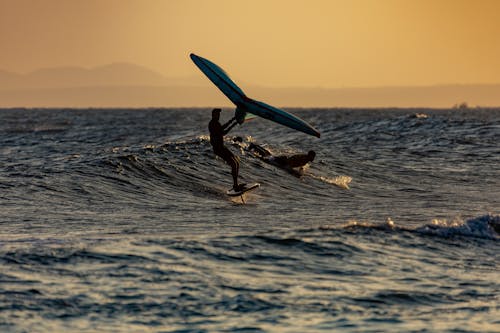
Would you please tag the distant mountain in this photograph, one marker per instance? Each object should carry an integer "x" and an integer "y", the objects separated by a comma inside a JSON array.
[
  {"x": 116, "y": 74},
  {"x": 129, "y": 85},
  {"x": 6, "y": 74}
]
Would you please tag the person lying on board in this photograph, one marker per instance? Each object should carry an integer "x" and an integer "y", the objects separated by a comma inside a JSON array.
[
  {"x": 217, "y": 132},
  {"x": 289, "y": 163}
]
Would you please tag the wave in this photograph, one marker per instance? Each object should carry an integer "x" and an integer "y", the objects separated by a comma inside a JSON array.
[
  {"x": 187, "y": 166},
  {"x": 486, "y": 227}
]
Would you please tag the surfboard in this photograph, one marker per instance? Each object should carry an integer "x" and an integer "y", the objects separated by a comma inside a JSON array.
[
  {"x": 250, "y": 187},
  {"x": 245, "y": 105}
]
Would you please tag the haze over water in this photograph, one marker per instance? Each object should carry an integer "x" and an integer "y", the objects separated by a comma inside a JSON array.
[{"x": 116, "y": 220}]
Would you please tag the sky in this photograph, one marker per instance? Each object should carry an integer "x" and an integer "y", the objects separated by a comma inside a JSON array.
[{"x": 310, "y": 43}]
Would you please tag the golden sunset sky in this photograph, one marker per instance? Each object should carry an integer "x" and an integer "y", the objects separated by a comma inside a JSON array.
[{"x": 310, "y": 43}]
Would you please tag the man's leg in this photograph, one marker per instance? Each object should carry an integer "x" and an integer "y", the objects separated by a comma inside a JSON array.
[{"x": 235, "y": 165}]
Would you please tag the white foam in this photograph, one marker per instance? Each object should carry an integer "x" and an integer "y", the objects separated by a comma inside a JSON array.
[
  {"x": 482, "y": 227},
  {"x": 340, "y": 181}
]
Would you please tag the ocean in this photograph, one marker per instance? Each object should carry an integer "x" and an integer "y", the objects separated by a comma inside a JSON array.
[{"x": 116, "y": 220}]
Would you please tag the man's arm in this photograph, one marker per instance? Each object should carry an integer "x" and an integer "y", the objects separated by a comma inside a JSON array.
[{"x": 229, "y": 124}]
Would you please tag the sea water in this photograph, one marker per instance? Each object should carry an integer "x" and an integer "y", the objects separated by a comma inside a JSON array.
[{"x": 118, "y": 221}]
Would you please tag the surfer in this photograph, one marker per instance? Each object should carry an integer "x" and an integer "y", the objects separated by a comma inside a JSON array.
[
  {"x": 217, "y": 132},
  {"x": 294, "y": 161},
  {"x": 282, "y": 161}
]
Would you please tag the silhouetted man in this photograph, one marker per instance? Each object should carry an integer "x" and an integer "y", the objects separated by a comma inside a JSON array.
[
  {"x": 217, "y": 132},
  {"x": 295, "y": 161},
  {"x": 283, "y": 161}
]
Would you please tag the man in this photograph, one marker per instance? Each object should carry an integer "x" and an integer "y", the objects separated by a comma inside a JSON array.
[
  {"x": 283, "y": 161},
  {"x": 295, "y": 161},
  {"x": 217, "y": 132}
]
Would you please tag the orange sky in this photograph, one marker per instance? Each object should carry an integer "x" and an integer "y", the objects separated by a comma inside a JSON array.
[{"x": 329, "y": 43}]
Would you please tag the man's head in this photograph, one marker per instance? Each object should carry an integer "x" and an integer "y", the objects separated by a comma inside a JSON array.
[
  {"x": 311, "y": 155},
  {"x": 216, "y": 114}
]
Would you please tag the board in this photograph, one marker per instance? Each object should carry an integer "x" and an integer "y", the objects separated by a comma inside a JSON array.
[
  {"x": 233, "y": 193},
  {"x": 245, "y": 105}
]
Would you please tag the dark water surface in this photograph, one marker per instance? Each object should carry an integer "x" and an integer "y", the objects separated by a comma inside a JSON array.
[{"x": 117, "y": 220}]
